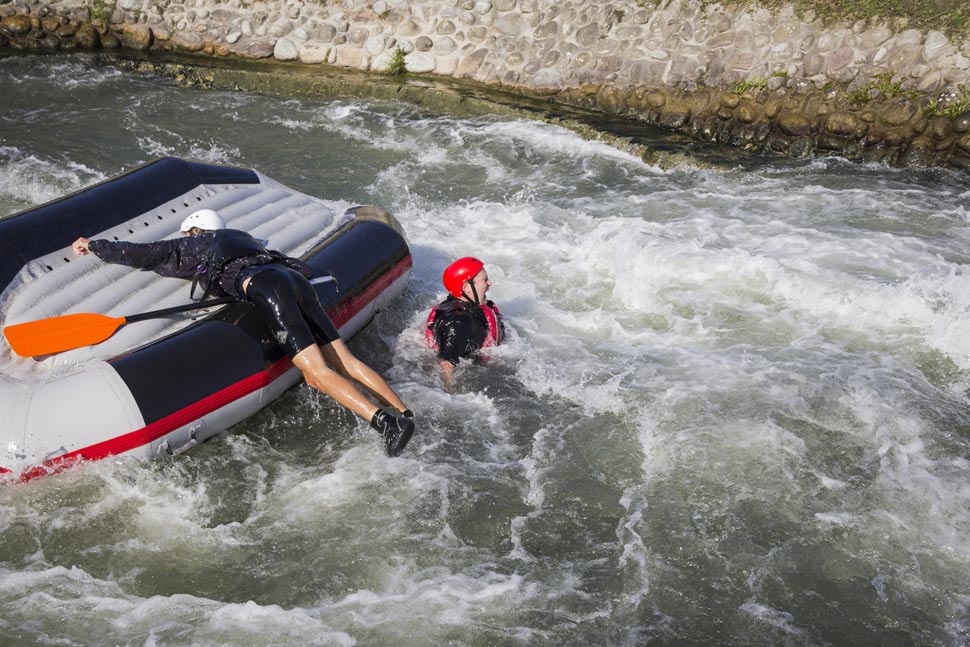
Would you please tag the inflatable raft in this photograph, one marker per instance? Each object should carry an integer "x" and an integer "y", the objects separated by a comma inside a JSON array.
[{"x": 163, "y": 385}]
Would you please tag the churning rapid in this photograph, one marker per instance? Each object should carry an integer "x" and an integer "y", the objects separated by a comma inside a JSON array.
[{"x": 733, "y": 409}]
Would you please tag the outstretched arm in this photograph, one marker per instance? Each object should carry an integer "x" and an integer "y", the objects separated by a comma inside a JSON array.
[{"x": 175, "y": 257}]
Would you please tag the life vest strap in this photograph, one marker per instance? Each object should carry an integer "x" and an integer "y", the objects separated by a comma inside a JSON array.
[{"x": 493, "y": 317}]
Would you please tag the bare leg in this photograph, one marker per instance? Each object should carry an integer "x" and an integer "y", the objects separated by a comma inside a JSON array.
[
  {"x": 346, "y": 363},
  {"x": 318, "y": 375},
  {"x": 313, "y": 361}
]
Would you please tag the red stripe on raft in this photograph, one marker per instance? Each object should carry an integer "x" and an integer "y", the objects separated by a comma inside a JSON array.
[
  {"x": 162, "y": 426},
  {"x": 210, "y": 403}
]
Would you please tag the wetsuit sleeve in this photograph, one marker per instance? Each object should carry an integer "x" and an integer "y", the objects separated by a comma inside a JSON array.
[{"x": 177, "y": 257}]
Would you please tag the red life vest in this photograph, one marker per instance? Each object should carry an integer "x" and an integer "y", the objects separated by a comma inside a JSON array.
[{"x": 492, "y": 316}]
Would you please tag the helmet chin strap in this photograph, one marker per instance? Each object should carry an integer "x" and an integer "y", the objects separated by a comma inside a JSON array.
[{"x": 476, "y": 300}]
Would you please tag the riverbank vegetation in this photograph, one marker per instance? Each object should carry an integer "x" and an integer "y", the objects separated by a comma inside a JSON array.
[{"x": 949, "y": 16}]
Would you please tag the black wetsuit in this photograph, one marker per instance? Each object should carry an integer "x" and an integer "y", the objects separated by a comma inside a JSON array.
[
  {"x": 278, "y": 287},
  {"x": 460, "y": 329}
]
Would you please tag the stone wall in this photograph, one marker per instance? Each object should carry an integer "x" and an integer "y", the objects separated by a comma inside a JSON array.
[{"x": 746, "y": 77}]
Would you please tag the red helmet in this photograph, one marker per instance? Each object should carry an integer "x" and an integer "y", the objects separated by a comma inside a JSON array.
[{"x": 455, "y": 275}]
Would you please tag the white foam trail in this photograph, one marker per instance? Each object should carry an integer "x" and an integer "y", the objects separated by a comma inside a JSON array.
[
  {"x": 777, "y": 619},
  {"x": 540, "y": 138},
  {"x": 943, "y": 291},
  {"x": 756, "y": 374},
  {"x": 213, "y": 153},
  {"x": 63, "y": 72},
  {"x": 31, "y": 180},
  {"x": 55, "y": 593}
]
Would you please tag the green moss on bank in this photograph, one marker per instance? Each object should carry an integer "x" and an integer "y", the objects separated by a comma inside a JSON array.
[{"x": 949, "y": 16}]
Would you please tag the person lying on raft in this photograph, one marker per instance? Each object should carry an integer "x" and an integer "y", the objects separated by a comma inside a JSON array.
[
  {"x": 229, "y": 262},
  {"x": 465, "y": 322}
]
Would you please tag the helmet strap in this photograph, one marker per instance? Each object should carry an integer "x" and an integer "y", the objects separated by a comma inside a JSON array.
[{"x": 476, "y": 300}]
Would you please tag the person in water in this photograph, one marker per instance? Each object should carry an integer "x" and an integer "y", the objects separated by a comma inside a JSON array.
[
  {"x": 465, "y": 322},
  {"x": 229, "y": 262}
]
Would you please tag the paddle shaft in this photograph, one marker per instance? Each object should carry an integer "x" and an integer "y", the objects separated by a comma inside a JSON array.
[
  {"x": 58, "y": 334},
  {"x": 174, "y": 309},
  {"x": 141, "y": 316},
  {"x": 201, "y": 304}
]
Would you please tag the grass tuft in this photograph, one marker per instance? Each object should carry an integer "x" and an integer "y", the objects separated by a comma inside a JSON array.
[
  {"x": 949, "y": 106},
  {"x": 750, "y": 84},
  {"x": 99, "y": 11},
  {"x": 886, "y": 89},
  {"x": 397, "y": 65}
]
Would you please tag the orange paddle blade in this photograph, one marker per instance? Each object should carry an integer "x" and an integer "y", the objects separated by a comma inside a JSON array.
[{"x": 58, "y": 334}]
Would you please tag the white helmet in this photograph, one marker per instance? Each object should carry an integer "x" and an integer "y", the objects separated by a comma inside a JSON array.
[{"x": 204, "y": 219}]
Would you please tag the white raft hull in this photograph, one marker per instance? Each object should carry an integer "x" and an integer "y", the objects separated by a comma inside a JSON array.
[{"x": 159, "y": 387}]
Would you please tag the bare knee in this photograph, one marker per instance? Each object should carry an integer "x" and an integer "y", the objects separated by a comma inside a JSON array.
[
  {"x": 312, "y": 381},
  {"x": 319, "y": 378},
  {"x": 315, "y": 371}
]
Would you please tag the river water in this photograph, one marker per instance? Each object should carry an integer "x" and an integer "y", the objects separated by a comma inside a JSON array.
[{"x": 733, "y": 409}]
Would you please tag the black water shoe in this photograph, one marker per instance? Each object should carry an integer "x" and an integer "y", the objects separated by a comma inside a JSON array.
[{"x": 396, "y": 431}]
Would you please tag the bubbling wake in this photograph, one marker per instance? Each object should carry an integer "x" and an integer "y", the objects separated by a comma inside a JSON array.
[{"x": 732, "y": 407}]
